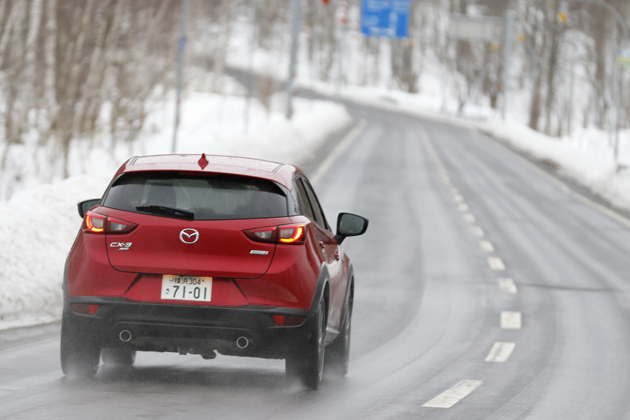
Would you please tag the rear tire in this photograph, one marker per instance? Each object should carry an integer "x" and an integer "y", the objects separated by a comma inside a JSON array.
[
  {"x": 338, "y": 352},
  {"x": 80, "y": 352},
  {"x": 118, "y": 356},
  {"x": 308, "y": 364}
]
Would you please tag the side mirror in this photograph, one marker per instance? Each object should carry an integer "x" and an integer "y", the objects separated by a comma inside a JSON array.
[
  {"x": 84, "y": 206},
  {"x": 349, "y": 224}
]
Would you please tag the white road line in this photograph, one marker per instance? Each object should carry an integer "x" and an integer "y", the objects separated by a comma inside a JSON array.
[
  {"x": 477, "y": 231},
  {"x": 337, "y": 151},
  {"x": 486, "y": 246},
  {"x": 496, "y": 264},
  {"x": 463, "y": 207},
  {"x": 507, "y": 285},
  {"x": 510, "y": 320},
  {"x": 500, "y": 352},
  {"x": 452, "y": 396},
  {"x": 458, "y": 198},
  {"x": 469, "y": 218}
]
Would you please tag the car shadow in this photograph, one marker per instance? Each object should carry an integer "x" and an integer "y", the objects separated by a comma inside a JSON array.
[{"x": 150, "y": 377}]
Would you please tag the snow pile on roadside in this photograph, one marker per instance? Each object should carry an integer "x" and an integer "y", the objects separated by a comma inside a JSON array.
[
  {"x": 269, "y": 137},
  {"x": 594, "y": 169},
  {"x": 37, "y": 228},
  {"x": 38, "y": 225}
]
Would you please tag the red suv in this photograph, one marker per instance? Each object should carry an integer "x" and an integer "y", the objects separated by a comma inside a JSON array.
[{"x": 198, "y": 255}]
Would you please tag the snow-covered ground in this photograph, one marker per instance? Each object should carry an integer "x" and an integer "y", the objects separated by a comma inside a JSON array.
[{"x": 39, "y": 222}]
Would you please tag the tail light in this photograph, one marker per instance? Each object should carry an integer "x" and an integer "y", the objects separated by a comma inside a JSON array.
[
  {"x": 97, "y": 223},
  {"x": 263, "y": 235},
  {"x": 291, "y": 234},
  {"x": 288, "y": 234}
]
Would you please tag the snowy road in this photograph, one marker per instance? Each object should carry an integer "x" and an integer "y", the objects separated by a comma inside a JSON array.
[{"x": 484, "y": 291}]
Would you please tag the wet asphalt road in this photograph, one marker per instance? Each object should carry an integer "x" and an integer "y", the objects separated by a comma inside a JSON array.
[{"x": 470, "y": 249}]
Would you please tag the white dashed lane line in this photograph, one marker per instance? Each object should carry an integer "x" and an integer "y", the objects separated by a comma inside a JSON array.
[
  {"x": 500, "y": 352},
  {"x": 486, "y": 246},
  {"x": 452, "y": 396},
  {"x": 477, "y": 231},
  {"x": 496, "y": 264},
  {"x": 469, "y": 218},
  {"x": 510, "y": 320},
  {"x": 507, "y": 285}
]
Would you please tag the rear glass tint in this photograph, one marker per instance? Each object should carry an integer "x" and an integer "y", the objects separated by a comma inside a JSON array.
[{"x": 208, "y": 197}]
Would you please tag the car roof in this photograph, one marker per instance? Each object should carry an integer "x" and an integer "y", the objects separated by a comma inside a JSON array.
[{"x": 232, "y": 165}]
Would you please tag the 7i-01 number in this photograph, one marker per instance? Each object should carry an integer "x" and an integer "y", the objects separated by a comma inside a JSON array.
[{"x": 196, "y": 289}]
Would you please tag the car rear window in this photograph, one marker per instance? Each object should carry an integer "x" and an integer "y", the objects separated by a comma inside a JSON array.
[{"x": 208, "y": 197}]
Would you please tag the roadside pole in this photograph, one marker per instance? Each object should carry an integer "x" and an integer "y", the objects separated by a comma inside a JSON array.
[
  {"x": 343, "y": 25},
  {"x": 620, "y": 107},
  {"x": 295, "y": 43},
  {"x": 180, "y": 70},
  {"x": 507, "y": 53},
  {"x": 250, "y": 63}
]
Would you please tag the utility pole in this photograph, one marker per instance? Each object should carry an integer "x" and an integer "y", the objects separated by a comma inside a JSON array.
[
  {"x": 180, "y": 69},
  {"x": 295, "y": 43},
  {"x": 250, "y": 64},
  {"x": 343, "y": 25},
  {"x": 507, "y": 53}
]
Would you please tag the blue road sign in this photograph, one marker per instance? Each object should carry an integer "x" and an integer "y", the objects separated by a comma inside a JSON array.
[{"x": 385, "y": 18}]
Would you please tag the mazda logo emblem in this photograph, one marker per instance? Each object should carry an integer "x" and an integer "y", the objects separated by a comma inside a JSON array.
[{"x": 189, "y": 236}]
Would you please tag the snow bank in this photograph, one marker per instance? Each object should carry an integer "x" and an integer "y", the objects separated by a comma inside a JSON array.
[
  {"x": 592, "y": 168},
  {"x": 37, "y": 228},
  {"x": 38, "y": 225}
]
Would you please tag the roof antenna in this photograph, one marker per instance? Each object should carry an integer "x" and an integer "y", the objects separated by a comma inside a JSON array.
[{"x": 203, "y": 162}]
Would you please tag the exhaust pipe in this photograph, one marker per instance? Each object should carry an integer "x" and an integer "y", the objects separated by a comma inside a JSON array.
[
  {"x": 124, "y": 336},
  {"x": 242, "y": 342}
]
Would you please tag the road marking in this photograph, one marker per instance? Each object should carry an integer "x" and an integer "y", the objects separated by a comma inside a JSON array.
[
  {"x": 458, "y": 198},
  {"x": 338, "y": 150},
  {"x": 463, "y": 207},
  {"x": 469, "y": 218},
  {"x": 452, "y": 396},
  {"x": 510, "y": 320},
  {"x": 486, "y": 246},
  {"x": 477, "y": 231},
  {"x": 496, "y": 264},
  {"x": 507, "y": 285},
  {"x": 500, "y": 352}
]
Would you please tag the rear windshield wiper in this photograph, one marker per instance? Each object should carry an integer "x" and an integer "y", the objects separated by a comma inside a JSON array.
[{"x": 167, "y": 211}]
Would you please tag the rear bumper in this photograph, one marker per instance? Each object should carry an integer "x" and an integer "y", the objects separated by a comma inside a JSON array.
[{"x": 191, "y": 329}]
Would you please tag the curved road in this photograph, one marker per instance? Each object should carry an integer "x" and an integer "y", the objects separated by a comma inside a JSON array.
[{"x": 486, "y": 289}]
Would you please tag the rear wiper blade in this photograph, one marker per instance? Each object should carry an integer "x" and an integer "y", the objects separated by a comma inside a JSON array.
[{"x": 167, "y": 211}]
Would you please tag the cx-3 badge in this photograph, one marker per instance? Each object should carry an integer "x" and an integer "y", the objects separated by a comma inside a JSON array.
[{"x": 189, "y": 236}]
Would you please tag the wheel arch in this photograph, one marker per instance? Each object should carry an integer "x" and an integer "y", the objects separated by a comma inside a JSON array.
[{"x": 322, "y": 289}]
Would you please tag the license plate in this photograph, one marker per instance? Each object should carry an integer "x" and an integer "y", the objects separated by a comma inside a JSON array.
[{"x": 196, "y": 289}]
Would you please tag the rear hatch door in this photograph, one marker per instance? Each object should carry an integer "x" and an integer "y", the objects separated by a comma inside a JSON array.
[{"x": 216, "y": 248}]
